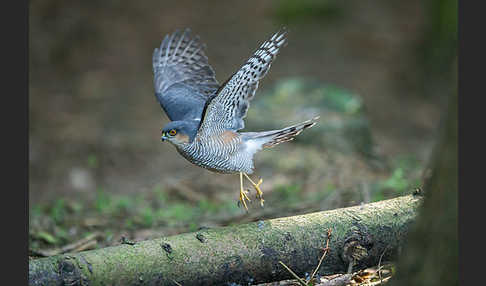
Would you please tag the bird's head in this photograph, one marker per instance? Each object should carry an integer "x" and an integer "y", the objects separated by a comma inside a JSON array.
[{"x": 179, "y": 132}]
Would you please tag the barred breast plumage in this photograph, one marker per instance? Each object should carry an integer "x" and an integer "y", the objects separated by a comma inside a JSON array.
[
  {"x": 206, "y": 117},
  {"x": 223, "y": 154}
]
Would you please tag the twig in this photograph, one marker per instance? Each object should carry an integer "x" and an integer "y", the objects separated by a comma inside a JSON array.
[
  {"x": 329, "y": 231},
  {"x": 379, "y": 263},
  {"x": 378, "y": 282},
  {"x": 88, "y": 245},
  {"x": 185, "y": 191},
  {"x": 301, "y": 282},
  {"x": 82, "y": 244},
  {"x": 350, "y": 266},
  {"x": 94, "y": 221},
  {"x": 341, "y": 280},
  {"x": 125, "y": 240}
]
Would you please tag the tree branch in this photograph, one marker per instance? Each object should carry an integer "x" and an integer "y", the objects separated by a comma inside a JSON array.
[{"x": 248, "y": 253}]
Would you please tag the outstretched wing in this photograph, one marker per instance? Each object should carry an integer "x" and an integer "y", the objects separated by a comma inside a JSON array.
[
  {"x": 226, "y": 110},
  {"x": 183, "y": 79}
]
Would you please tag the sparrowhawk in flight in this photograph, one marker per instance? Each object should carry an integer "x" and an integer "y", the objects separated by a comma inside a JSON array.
[{"x": 205, "y": 115}]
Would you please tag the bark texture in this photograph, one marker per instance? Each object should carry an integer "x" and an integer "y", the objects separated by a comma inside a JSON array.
[
  {"x": 432, "y": 248},
  {"x": 243, "y": 254}
]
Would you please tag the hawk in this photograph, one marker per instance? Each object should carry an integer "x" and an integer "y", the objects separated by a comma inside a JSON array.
[{"x": 205, "y": 116}]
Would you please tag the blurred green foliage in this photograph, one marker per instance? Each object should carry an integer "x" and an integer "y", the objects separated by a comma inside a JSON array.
[
  {"x": 47, "y": 237},
  {"x": 103, "y": 201},
  {"x": 402, "y": 179},
  {"x": 301, "y": 11},
  {"x": 58, "y": 211},
  {"x": 289, "y": 193},
  {"x": 343, "y": 125},
  {"x": 51, "y": 222},
  {"x": 396, "y": 181},
  {"x": 62, "y": 220}
]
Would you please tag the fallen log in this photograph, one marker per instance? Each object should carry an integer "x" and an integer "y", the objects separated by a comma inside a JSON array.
[{"x": 243, "y": 254}]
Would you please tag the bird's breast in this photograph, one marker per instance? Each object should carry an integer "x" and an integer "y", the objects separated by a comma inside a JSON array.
[{"x": 221, "y": 153}]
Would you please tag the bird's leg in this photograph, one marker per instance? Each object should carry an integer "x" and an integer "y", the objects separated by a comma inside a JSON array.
[
  {"x": 257, "y": 188},
  {"x": 243, "y": 193}
]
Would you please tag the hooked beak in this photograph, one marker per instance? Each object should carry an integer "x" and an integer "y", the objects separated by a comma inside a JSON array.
[{"x": 163, "y": 138}]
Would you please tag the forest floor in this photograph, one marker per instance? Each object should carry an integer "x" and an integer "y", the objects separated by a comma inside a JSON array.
[{"x": 99, "y": 176}]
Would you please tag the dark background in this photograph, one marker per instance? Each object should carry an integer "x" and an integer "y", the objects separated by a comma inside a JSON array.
[{"x": 94, "y": 123}]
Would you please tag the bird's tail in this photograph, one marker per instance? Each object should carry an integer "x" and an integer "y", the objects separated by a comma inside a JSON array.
[{"x": 275, "y": 137}]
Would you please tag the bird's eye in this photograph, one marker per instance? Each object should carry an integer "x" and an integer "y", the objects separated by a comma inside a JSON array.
[{"x": 172, "y": 132}]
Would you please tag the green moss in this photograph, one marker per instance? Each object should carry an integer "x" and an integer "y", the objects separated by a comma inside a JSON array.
[
  {"x": 58, "y": 211},
  {"x": 294, "y": 240}
]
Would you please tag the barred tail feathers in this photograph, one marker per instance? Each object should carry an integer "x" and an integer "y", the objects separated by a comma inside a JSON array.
[
  {"x": 289, "y": 133},
  {"x": 268, "y": 139}
]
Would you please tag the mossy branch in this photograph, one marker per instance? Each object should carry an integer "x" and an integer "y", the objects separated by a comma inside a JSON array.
[{"x": 245, "y": 254}]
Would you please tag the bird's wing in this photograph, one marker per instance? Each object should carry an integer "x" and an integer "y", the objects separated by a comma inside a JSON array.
[
  {"x": 227, "y": 108},
  {"x": 183, "y": 79}
]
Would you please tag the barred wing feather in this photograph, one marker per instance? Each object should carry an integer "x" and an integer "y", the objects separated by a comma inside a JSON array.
[
  {"x": 183, "y": 78},
  {"x": 228, "y": 107}
]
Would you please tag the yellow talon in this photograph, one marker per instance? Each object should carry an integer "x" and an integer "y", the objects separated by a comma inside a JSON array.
[
  {"x": 259, "y": 194},
  {"x": 243, "y": 193},
  {"x": 243, "y": 197}
]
